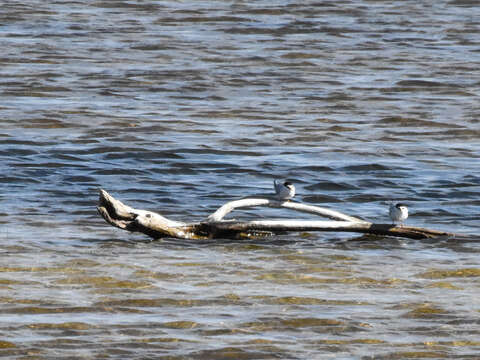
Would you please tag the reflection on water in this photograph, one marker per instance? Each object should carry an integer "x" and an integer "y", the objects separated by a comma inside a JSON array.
[{"x": 180, "y": 106}]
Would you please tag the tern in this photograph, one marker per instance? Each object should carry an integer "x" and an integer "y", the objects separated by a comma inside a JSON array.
[
  {"x": 284, "y": 191},
  {"x": 398, "y": 213}
]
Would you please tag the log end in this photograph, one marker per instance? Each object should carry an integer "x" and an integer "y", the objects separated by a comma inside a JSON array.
[
  {"x": 407, "y": 231},
  {"x": 114, "y": 222},
  {"x": 115, "y": 208}
]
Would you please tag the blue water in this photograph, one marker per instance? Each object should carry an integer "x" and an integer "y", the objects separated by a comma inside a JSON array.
[{"x": 178, "y": 107}]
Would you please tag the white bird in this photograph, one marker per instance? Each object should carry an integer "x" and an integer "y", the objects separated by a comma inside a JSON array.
[
  {"x": 284, "y": 191},
  {"x": 398, "y": 213}
]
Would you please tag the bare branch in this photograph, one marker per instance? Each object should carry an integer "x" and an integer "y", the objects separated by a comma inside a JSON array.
[
  {"x": 331, "y": 214},
  {"x": 250, "y": 202},
  {"x": 232, "y": 205},
  {"x": 338, "y": 226}
]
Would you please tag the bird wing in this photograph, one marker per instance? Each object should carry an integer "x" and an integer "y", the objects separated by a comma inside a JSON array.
[{"x": 277, "y": 186}]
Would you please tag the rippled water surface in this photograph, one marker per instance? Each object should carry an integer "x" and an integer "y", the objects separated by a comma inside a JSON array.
[{"x": 180, "y": 106}]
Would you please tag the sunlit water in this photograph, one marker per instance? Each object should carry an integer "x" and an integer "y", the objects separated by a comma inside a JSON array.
[{"x": 180, "y": 106}]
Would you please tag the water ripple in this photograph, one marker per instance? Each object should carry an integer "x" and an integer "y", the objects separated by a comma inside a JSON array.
[{"x": 178, "y": 107}]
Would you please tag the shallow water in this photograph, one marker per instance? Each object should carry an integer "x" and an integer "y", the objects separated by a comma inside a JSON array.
[{"x": 179, "y": 107}]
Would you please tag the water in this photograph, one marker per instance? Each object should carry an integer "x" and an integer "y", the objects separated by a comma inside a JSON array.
[{"x": 178, "y": 107}]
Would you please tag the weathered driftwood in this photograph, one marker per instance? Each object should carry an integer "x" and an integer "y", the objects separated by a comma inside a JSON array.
[
  {"x": 249, "y": 202},
  {"x": 154, "y": 225}
]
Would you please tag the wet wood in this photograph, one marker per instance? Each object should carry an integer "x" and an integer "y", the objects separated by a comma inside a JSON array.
[{"x": 156, "y": 226}]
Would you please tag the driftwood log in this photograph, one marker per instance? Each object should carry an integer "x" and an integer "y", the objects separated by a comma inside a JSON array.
[{"x": 156, "y": 226}]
